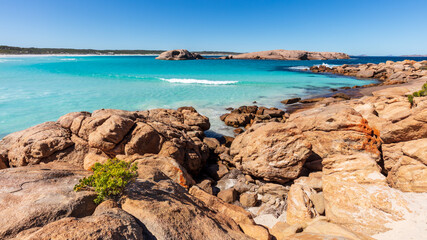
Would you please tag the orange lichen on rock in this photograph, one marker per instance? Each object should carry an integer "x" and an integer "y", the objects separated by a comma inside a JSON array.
[
  {"x": 181, "y": 181},
  {"x": 372, "y": 140}
]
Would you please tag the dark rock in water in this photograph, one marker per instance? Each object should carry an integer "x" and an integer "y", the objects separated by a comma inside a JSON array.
[
  {"x": 229, "y": 109},
  {"x": 345, "y": 88},
  {"x": 334, "y": 89},
  {"x": 341, "y": 95},
  {"x": 312, "y": 100},
  {"x": 179, "y": 54},
  {"x": 291, "y": 100}
]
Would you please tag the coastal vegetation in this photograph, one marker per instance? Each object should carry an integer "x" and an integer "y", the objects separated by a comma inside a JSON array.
[
  {"x": 33, "y": 50},
  {"x": 108, "y": 179},
  {"x": 420, "y": 93}
]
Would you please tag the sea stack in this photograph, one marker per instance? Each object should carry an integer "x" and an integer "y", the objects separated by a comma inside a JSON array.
[{"x": 179, "y": 54}]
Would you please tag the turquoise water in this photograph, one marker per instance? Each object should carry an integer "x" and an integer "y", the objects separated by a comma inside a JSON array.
[{"x": 38, "y": 89}]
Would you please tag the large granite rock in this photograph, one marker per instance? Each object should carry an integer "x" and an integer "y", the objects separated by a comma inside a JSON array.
[
  {"x": 272, "y": 151},
  {"x": 281, "y": 54},
  {"x": 406, "y": 163},
  {"x": 394, "y": 117},
  {"x": 179, "y": 54},
  {"x": 110, "y": 224},
  {"x": 355, "y": 191},
  {"x": 82, "y": 138},
  {"x": 150, "y": 164},
  {"x": 34, "y": 196},
  {"x": 389, "y": 72},
  {"x": 168, "y": 212}
]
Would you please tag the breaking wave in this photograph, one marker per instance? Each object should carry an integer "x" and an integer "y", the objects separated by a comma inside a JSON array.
[{"x": 197, "y": 81}]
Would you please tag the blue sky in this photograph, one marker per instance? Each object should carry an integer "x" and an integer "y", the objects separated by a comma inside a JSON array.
[{"x": 374, "y": 27}]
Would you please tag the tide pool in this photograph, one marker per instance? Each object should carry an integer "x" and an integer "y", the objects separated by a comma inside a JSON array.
[{"x": 38, "y": 89}]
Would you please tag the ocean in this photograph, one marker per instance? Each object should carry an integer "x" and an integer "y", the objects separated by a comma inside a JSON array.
[{"x": 42, "y": 88}]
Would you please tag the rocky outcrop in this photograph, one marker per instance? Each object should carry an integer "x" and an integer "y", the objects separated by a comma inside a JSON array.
[
  {"x": 179, "y": 54},
  {"x": 83, "y": 138},
  {"x": 168, "y": 212},
  {"x": 108, "y": 224},
  {"x": 238, "y": 214},
  {"x": 350, "y": 151},
  {"x": 389, "y": 72},
  {"x": 34, "y": 196},
  {"x": 406, "y": 163},
  {"x": 281, "y": 54},
  {"x": 40, "y": 203},
  {"x": 272, "y": 151},
  {"x": 245, "y": 116}
]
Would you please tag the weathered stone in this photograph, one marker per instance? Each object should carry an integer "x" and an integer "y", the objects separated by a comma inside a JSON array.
[
  {"x": 406, "y": 163},
  {"x": 42, "y": 143},
  {"x": 272, "y": 151},
  {"x": 110, "y": 133},
  {"x": 206, "y": 185},
  {"x": 109, "y": 224},
  {"x": 327, "y": 228},
  {"x": 248, "y": 199},
  {"x": 34, "y": 196},
  {"x": 216, "y": 171},
  {"x": 228, "y": 195},
  {"x": 291, "y": 100},
  {"x": 169, "y": 212},
  {"x": 300, "y": 205}
]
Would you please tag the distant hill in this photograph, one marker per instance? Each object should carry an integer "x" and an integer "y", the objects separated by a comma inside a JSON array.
[
  {"x": 19, "y": 51},
  {"x": 414, "y": 55}
]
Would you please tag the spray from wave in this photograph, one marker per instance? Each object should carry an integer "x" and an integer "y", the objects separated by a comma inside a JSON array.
[{"x": 197, "y": 81}]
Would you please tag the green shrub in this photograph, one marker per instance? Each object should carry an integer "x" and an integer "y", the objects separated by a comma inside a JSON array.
[
  {"x": 411, "y": 99},
  {"x": 109, "y": 179},
  {"x": 421, "y": 93}
]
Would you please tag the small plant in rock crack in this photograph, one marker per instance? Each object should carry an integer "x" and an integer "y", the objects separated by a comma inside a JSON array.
[{"x": 108, "y": 179}]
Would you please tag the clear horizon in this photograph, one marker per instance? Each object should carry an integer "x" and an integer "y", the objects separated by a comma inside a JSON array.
[{"x": 379, "y": 28}]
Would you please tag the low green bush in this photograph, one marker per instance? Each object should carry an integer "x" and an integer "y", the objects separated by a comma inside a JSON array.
[
  {"x": 421, "y": 93},
  {"x": 108, "y": 180}
]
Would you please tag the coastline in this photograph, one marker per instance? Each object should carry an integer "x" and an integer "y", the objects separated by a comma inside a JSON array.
[{"x": 368, "y": 145}]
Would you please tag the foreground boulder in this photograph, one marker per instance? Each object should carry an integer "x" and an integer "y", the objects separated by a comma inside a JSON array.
[
  {"x": 168, "y": 212},
  {"x": 272, "y": 151},
  {"x": 179, "y": 54},
  {"x": 34, "y": 196},
  {"x": 107, "y": 224},
  {"x": 83, "y": 138},
  {"x": 281, "y": 54},
  {"x": 406, "y": 163},
  {"x": 349, "y": 149}
]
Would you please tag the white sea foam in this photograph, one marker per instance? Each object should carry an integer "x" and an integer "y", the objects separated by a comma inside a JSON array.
[
  {"x": 328, "y": 65},
  {"x": 299, "y": 68},
  {"x": 68, "y": 59},
  {"x": 197, "y": 81},
  {"x": 10, "y": 60}
]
